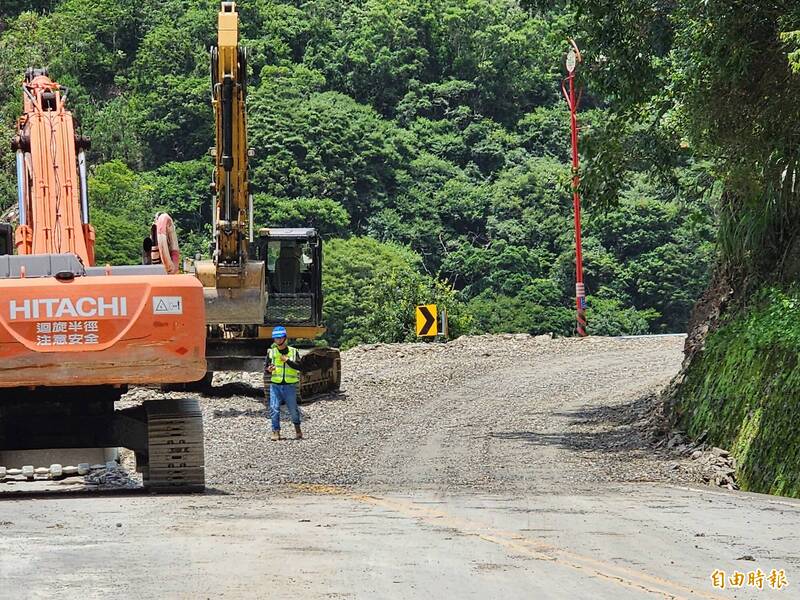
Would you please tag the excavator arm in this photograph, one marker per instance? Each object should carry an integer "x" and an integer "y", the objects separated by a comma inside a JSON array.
[
  {"x": 52, "y": 195},
  {"x": 233, "y": 285}
]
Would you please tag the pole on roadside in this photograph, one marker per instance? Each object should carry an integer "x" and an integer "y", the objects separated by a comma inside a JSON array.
[{"x": 573, "y": 99}]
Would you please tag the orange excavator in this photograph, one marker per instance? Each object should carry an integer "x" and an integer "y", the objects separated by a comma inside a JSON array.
[{"x": 74, "y": 335}]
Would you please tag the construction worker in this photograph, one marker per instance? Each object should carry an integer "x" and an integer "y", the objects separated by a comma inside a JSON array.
[{"x": 283, "y": 369}]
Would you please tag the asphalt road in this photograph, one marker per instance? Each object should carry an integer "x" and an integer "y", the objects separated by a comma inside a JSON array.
[{"x": 629, "y": 541}]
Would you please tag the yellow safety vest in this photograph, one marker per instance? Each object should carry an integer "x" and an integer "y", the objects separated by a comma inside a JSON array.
[{"x": 283, "y": 373}]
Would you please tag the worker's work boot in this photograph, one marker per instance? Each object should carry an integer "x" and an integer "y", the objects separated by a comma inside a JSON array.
[
  {"x": 276, "y": 435},
  {"x": 298, "y": 435}
]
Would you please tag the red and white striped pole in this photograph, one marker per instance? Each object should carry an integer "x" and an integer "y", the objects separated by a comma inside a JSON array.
[{"x": 568, "y": 88}]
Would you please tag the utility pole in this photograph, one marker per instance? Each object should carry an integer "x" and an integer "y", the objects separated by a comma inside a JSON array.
[{"x": 568, "y": 88}]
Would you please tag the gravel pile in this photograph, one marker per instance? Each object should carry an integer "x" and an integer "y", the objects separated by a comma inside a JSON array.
[
  {"x": 111, "y": 478},
  {"x": 494, "y": 412},
  {"x": 699, "y": 460}
]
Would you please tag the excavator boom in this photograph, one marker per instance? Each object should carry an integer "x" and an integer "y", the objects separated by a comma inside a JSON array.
[
  {"x": 233, "y": 284},
  {"x": 52, "y": 195}
]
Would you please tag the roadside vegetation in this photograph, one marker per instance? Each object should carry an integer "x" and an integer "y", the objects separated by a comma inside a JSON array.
[
  {"x": 743, "y": 393},
  {"x": 720, "y": 80}
]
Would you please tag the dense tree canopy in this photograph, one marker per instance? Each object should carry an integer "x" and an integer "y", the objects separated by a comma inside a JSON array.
[
  {"x": 426, "y": 139},
  {"x": 718, "y": 80}
]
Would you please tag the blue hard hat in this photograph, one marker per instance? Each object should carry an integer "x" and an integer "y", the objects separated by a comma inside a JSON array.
[{"x": 279, "y": 332}]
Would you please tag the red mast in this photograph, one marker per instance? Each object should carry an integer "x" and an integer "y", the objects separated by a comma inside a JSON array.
[{"x": 568, "y": 88}]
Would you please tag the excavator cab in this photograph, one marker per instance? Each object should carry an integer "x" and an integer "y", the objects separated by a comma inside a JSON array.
[
  {"x": 293, "y": 259},
  {"x": 294, "y": 277}
]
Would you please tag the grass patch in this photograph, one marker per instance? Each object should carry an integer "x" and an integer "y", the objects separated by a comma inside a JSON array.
[{"x": 744, "y": 390}]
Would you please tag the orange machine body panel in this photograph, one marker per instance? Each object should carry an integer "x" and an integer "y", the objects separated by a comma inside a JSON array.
[{"x": 99, "y": 330}]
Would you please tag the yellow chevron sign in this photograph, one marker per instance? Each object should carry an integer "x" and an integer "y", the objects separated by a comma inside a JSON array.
[{"x": 426, "y": 320}]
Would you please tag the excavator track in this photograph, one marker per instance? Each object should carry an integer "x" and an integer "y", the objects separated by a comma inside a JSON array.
[
  {"x": 176, "y": 456},
  {"x": 322, "y": 372}
]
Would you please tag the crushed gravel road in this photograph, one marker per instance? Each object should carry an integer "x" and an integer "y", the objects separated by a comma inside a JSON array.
[{"x": 495, "y": 413}]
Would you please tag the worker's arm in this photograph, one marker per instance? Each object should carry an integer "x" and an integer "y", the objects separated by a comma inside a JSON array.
[{"x": 294, "y": 365}]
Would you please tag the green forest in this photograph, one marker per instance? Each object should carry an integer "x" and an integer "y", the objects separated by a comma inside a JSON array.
[{"x": 426, "y": 139}]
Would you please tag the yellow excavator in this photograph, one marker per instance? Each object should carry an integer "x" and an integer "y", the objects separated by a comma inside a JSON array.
[{"x": 255, "y": 281}]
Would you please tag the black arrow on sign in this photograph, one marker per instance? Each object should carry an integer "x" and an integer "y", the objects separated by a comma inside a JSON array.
[{"x": 429, "y": 320}]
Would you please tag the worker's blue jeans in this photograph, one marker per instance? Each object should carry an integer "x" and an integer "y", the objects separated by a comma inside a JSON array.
[{"x": 283, "y": 394}]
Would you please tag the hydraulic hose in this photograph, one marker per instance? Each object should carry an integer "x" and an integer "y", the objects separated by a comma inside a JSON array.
[
  {"x": 21, "y": 187},
  {"x": 227, "y": 139},
  {"x": 84, "y": 187}
]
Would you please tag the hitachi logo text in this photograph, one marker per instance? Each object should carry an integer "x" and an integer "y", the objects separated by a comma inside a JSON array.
[{"x": 54, "y": 308}]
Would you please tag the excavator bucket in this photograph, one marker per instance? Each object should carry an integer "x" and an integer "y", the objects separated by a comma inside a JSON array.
[
  {"x": 64, "y": 328},
  {"x": 237, "y": 300}
]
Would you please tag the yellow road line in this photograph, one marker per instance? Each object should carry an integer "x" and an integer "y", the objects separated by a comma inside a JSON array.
[{"x": 532, "y": 547}]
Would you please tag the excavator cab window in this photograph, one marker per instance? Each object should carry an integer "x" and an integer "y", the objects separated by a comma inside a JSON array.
[
  {"x": 273, "y": 249},
  {"x": 294, "y": 277},
  {"x": 286, "y": 278},
  {"x": 290, "y": 267},
  {"x": 306, "y": 258}
]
